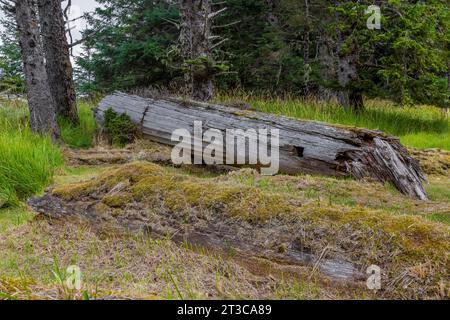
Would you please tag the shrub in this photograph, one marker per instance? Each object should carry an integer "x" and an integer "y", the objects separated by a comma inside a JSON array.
[{"x": 119, "y": 129}]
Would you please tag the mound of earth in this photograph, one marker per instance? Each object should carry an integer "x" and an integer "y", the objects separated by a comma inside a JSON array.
[
  {"x": 250, "y": 216},
  {"x": 433, "y": 161}
]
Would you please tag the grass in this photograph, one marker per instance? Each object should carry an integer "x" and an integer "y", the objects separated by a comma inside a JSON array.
[
  {"x": 12, "y": 217},
  {"x": 34, "y": 257},
  {"x": 132, "y": 266},
  {"x": 121, "y": 267},
  {"x": 378, "y": 224},
  {"x": 384, "y": 222},
  {"x": 27, "y": 161},
  {"x": 80, "y": 136},
  {"x": 439, "y": 189},
  {"x": 76, "y": 174},
  {"x": 423, "y": 140},
  {"x": 419, "y": 126}
]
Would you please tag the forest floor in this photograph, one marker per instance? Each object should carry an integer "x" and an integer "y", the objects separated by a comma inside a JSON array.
[{"x": 139, "y": 228}]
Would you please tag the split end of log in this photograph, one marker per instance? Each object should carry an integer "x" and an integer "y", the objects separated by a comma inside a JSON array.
[{"x": 389, "y": 161}]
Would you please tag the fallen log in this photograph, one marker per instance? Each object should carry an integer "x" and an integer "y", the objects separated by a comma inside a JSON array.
[{"x": 305, "y": 146}]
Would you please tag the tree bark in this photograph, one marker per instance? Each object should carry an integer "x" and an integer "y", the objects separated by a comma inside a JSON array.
[
  {"x": 195, "y": 40},
  {"x": 58, "y": 64},
  {"x": 271, "y": 16},
  {"x": 447, "y": 110},
  {"x": 356, "y": 100},
  {"x": 347, "y": 73},
  {"x": 305, "y": 146},
  {"x": 448, "y": 76},
  {"x": 348, "y": 97},
  {"x": 40, "y": 101},
  {"x": 328, "y": 71}
]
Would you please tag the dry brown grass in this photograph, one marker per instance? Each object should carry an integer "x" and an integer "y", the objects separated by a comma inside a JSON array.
[
  {"x": 399, "y": 242},
  {"x": 373, "y": 223},
  {"x": 130, "y": 266}
]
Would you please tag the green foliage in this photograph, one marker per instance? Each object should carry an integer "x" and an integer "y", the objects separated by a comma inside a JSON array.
[
  {"x": 204, "y": 66},
  {"x": 405, "y": 61},
  {"x": 127, "y": 45},
  {"x": 27, "y": 161},
  {"x": 119, "y": 129},
  {"x": 11, "y": 76},
  {"x": 255, "y": 50},
  {"x": 79, "y": 136}
]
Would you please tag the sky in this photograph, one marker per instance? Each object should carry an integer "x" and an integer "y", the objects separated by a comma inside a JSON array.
[{"x": 79, "y": 7}]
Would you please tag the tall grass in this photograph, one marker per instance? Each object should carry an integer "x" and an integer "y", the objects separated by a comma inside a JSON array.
[
  {"x": 420, "y": 126},
  {"x": 27, "y": 161},
  {"x": 79, "y": 136}
]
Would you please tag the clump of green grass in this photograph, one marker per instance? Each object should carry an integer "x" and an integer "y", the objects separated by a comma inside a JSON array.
[
  {"x": 79, "y": 136},
  {"x": 425, "y": 140},
  {"x": 27, "y": 161},
  {"x": 12, "y": 217},
  {"x": 419, "y": 126}
]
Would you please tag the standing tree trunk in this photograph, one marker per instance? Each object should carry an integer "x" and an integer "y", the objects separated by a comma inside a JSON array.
[
  {"x": 271, "y": 16},
  {"x": 59, "y": 66},
  {"x": 447, "y": 110},
  {"x": 195, "y": 39},
  {"x": 347, "y": 72},
  {"x": 328, "y": 70},
  {"x": 448, "y": 75},
  {"x": 40, "y": 101}
]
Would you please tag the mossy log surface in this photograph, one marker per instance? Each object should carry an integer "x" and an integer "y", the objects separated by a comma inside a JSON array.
[{"x": 305, "y": 146}]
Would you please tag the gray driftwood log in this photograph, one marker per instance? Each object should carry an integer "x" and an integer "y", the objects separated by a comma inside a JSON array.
[{"x": 305, "y": 146}]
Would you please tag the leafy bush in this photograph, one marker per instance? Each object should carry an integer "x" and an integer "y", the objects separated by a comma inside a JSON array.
[{"x": 119, "y": 129}]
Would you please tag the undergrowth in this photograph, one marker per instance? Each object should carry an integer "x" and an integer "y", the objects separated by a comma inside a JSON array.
[
  {"x": 27, "y": 161},
  {"x": 119, "y": 129},
  {"x": 79, "y": 136},
  {"x": 399, "y": 243}
]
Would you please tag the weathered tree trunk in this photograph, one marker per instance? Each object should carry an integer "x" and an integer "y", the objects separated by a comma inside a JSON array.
[
  {"x": 58, "y": 64},
  {"x": 306, "y": 54},
  {"x": 40, "y": 101},
  {"x": 195, "y": 39},
  {"x": 348, "y": 97},
  {"x": 448, "y": 76},
  {"x": 271, "y": 16},
  {"x": 356, "y": 100},
  {"x": 343, "y": 69},
  {"x": 446, "y": 110},
  {"x": 328, "y": 70},
  {"x": 347, "y": 72},
  {"x": 305, "y": 147}
]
